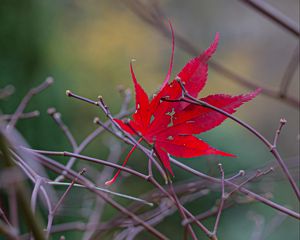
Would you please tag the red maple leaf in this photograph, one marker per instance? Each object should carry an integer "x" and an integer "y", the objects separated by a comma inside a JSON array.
[{"x": 170, "y": 126}]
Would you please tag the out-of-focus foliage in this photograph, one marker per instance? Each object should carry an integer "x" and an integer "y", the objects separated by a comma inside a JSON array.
[{"x": 87, "y": 46}]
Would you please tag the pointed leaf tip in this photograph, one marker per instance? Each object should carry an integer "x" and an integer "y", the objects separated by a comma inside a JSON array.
[
  {"x": 108, "y": 183},
  {"x": 213, "y": 47},
  {"x": 224, "y": 154}
]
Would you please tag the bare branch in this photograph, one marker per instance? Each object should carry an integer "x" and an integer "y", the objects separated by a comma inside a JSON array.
[
  {"x": 102, "y": 190},
  {"x": 241, "y": 189},
  {"x": 26, "y": 100},
  {"x": 90, "y": 138},
  {"x": 282, "y": 122},
  {"x": 21, "y": 192},
  {"x": 190, "y": 99},
  {"x": 57, "y": 167},
  {"x": 151, "y": 13},
  {"x": 7, "y": 231},
  {"x": 221, "y": 201},
  {"x": 272, "y": 13},
  {"x": 8, "y": 117},
  {"x": 57, "y": 118},
  {"x": 6, "y": 91},
  {"x": 259, "y": 222},
  {"x": 3, "y": 216},
  {"x": 35, "y": 193},
  {"x": 289, "y": 72},
  {"x": 58, "y": 204}
]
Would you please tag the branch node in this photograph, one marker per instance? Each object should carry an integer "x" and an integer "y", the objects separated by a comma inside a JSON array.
[
  {"x": 51, "y": 111},
  {"x": 96, "y": 120},
  {"x": 68, "y": 93},
  {"x": 49, "y": 80}
]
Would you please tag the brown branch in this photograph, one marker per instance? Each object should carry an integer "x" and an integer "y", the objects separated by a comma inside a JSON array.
[
  {"x": 106, "y": 173},
  {"x": 151, "y": 13},
  {"x": 273, "y": 224},
  {"x": 6, "y": 91},
  {"x": 7, "y": 231},
  {"x": 275, "y": 15},
  {"x": 259, "y": 222},
  {"x": 256, "y": 175},
  {"x": 28, "y": 115},
  {"x": 35, "y": 191},
  {"x": 13, "y": 207},
  {"x": 57, "y": 167},
  {"x": 36, "y": 180},
  {"x": 289, "y": 72},
  {"x": 188, "y": 169},
  {"x": 189, "y": 228},
  {"x": 57, "y": 118},
  {"x": 282, "y": 122},
  {"x": 190, "y": 99},
  {"x": 5, "y": 219},
  {"x": 58, "y": 204},
  {"x": 90, "y": 159},
  {"x": 164, "y": 209},
  {"x": 201, "y": 226},
  {"x": 241, "y": 189},
  {"x": 21, "y": 191},
  {"x": 159, "y": 168},
  {"x": 14, "y": 119},
  {"x": 106, "y": 111},
  {"x": 93, "y": 135},
  {"x": 223, "y": 197}
]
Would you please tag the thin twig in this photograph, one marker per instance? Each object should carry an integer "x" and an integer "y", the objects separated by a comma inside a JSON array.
[
  {"x": 259, "y": 222},
  {"x": 28, "y": 115},
  {"x": 33, "y": 176},
  {"x": 94, "y": 160},
  {"x": 186, "y": 168},
  {"x": 105, "y": 109},
  {"x": 282, "y": 122},
  {"x": 21, "y": 192},
  {"x": 128, "y": 141},
  {"x": 26, "y": 100},
  {"x": 275, "y": 15},
  {"x": 221, "y": 202},
  {"x": 190, "y": 99},
  {"x": 151, "y": 13},
  {"x": 241, "y": 173},
  {"x": 13, "y": 208},
  {"x": 3, "y": 216},
  {"x": 7, "y": 231},
  {"x": 89, "y": 139},
  {"x": 273, "y": 224},
  {"x": 57, "y": 167},
  {"x": 256, "y": 175},
  {"x": 57, "y": 118},
  {"x": 34, "y": 194},
  {"x": 115, "y": 152},
  {"x": 126, "y": 93},
  {"x": 227, "y": 195},
  {"x": 241, "y": 189},
  {"x": 6, "y": 91},
  {"x": 58, "y": 204},
  {"x": 289, "y": 72},
  {"x": 102, "y": 190},
  {"x": 181, "y": 211}
]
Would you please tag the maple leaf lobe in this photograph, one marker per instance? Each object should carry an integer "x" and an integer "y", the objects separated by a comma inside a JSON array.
[{"x": 171, "y": 126}]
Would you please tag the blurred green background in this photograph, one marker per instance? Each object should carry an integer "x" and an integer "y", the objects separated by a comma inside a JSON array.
[{"x": 87, "y": 46}]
